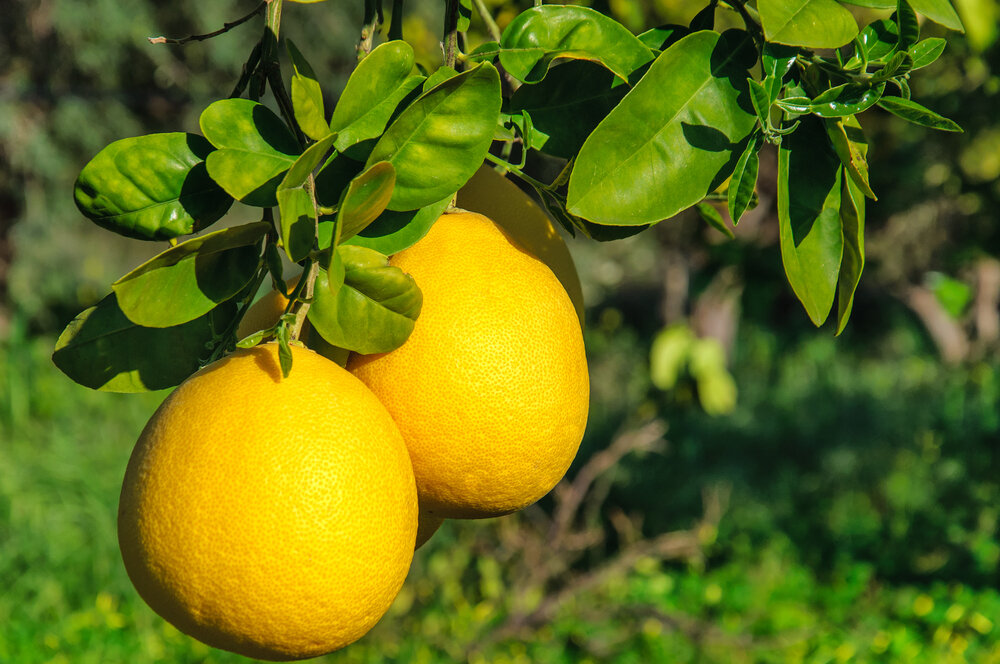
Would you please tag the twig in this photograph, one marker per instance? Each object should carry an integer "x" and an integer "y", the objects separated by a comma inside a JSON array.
[
  {"x": 396, "y": 22},
  {"x": 372, "y": 21},
  {"x": 307, "y": 294},
  {"x": 226, "y": 27},
  {"x": 451, "y": 13},
  {"x": 491, "y": 24}
]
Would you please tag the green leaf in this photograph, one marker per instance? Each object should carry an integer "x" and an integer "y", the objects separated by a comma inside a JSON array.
[
  {"x": 808, "y": 23},
  {"x": 909, "y": 28},
  {"x": 254, "y": 149},
  {"x": 464, "y": 15},
  {"x": 927, "y": 51},
  {"x": 851, "y": 146},
  {"x": 376, "y": 87},
  {"x": 297, "y": 201},
  {"x": 299, "y": 219},
  {"x": 852, "y": 217},
  {"x": 761, "y": 100},
  {"x": 879, "y": 39},
  {"x": 671, "y": 140},
  {"x": 744, "y": 180},
  {"x": 939, "y": 11},
  {"x": 307, "y": 97},
  {"x": 333, "y": 178},
  {"x": 663, "y": 36},
  {"x": 567, "y": 105},
  {"x": 713, "y": 218},
  {"x": 541, "y": 34},
  {"x": 812, "y": 242},
  {"x": 374, "y": 310},
  {"x": 440, "y": 75},
  {"x": 152, "y": 187},
  {"x": 103, "y": 350},
  {"x": 439, "y": 141},
  {"x": 366, "y": 198},
  {"x": 898, "y": 64},
  {"x": 777, "y": 60},
  {"x": 392, "y": 231},
  {"x": 846, "y": 99},
  {"x": 913, "y": 112},
  {"x": 192, "y": 278}
]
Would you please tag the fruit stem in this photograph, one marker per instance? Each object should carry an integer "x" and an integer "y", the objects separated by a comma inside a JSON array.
[
  {"x": 511, "y": 168},
  {"x": 306, "y": 296}
]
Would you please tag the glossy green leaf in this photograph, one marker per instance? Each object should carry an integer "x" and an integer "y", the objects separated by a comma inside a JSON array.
[
  {"x": 913, "y": 112},
  {"x": 374, "y": 310},
  {"x": 438, "y": 76},
  {"x": 909, "y": 28},
  {"x": 673, "y": 139},
  {"x": 761, "y": 100},
  {"x": 811, "y": 239},
  {"x": 744, "y": 180},
  {"x": 392, "y": 231},
  {"x": 927, "y": 51},
  {"x": 878, "y": 39},
  {"x": 808, "y": 23},
  {"x": 567, "y": 105},
  {"x": 299, "y": 219},
  {"x": 851, "y": 146},
  {"x": 711, "y": 216},
  {"x": 542, "y": 34},
  {"x": 255, "y": 148},
  {"x": 152, "y": 187},
  {"x": 847, "y": 99},
  {"x": 307, "y": 97},
  {"x": 376, "y": 87},
  {"x": 939, "y": 11},
  {"x": 438, "y": 141},
  {"x": 873, "y": 4},
  {"x": 777, "y": 59},
  {"x": 297, "y": 205},
  {"x": 852, "y": 216},
  {"x": 366, "y": 198},
  {"x": 102, "y": 349},
  {"x": 464, "y": 15},
  {"x": 192, "y": 278},
  {"x": 663, "y": 36},
  {"x": 899, "y": 64}
]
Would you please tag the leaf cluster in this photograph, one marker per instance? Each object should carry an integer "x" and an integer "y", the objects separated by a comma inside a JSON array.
[{"x": 642, "y": 126}]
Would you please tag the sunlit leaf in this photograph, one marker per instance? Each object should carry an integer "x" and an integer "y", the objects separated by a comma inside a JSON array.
[
  {"x": 913, "y": 112},
  {"x": 307, "y": 97},
  {"x": 852, "y": 216},
  {"x": 809, "y": 23},
  {"x": 188, "y": 280},
  {"x": 152, "y": 187}
]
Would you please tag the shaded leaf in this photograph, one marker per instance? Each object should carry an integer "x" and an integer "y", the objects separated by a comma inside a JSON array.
[
  {"x": 851, "y": 146},
  {"x": 808, "y": 23},
  {"x": 152, "y": 187},
  {"x": 713, "y": 218},
  {"x": 663, "y": 36},
  {"x": 846, "y": 99},
  {"x": 192, "y": 278},
  {"x": 852, "y": 216},
  {"x": 672, "y": 138},
  {"x": 297, "y": 201},
  {"x": 811, "y": 239},
  {"x": 375, "y": 308},
  {"x": 909, "y": 28},
  {"x": 254, "y": 149},
  {"x": 366, "y": 198},
  {"x": 567, "y": 105},
  {"x": 439, "y": 141},
  {"x": 102, "y": 349},
  {"x": 541, "y": 34},
  {"x": 744, "y": 180},
  {"x": 393, "y": 231}
]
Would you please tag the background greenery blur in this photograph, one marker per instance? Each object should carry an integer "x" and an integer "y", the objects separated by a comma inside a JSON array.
[{"x": 821, "y": 500}]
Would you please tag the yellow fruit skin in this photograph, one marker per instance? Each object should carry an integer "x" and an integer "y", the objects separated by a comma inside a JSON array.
[
  {"x": 273, "y": 517},
  {"x": 491, "y": 389},
  {"x": 265, "y": 312}
]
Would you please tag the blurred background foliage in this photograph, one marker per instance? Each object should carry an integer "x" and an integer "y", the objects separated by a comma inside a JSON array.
[{"x": 750, "y": 489}]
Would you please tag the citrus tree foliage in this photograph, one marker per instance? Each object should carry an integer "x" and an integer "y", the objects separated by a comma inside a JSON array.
[{"x": 643, "y": 126}]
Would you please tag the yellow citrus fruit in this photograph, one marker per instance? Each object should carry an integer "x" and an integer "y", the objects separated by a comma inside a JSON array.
[
  {"x": 496, "y": 197},
  {"x": 273, "y": 517},
  {"x": 491, "y": 389}
]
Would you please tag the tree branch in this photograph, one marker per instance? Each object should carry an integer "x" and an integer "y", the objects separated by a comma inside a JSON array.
[{"x": 226, "y": 27}]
